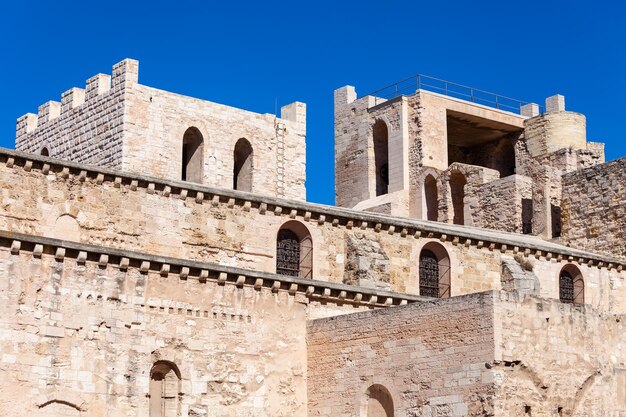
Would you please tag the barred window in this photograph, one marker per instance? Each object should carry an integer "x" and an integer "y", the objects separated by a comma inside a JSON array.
[
  {"x": 571, "y": 285},
  {"x": 434, "y": 271},
  {"x": 294, "y": 250}
]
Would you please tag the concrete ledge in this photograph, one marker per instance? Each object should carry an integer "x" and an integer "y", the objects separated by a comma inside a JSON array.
[{"x": 340, "y": 217}]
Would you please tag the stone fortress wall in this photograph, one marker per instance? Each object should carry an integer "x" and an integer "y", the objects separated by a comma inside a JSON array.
[
  {"x": 240, "y": 229},
  {"x": 118, "y": 123},
  {"x": 126, "y": 291},
  {"x": 450, "y": 159},
  {"x": 486, "y": 354},
  {"x": 594, "y": 206}
]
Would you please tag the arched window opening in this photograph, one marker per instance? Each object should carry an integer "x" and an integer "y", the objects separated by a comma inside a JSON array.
[
  {"x": 571, "y": 285},
  {"x": 193, "y": 155},
  {"x": 164, "y": 389},
  {"x": 434, "y": 271},
  {"x": 457, "y": 192},
  {"x": 381, "y": 157},
  {"x": 243, "y": 164},
  {"x": 45, "y": 151},
  {"x": 294, "y": 250},
  {"x": 431, "y": 198},
  {"x": 379, "y": 402}
]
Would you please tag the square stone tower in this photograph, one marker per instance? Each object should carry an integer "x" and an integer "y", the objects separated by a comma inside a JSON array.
[{"x": 115, "y": 122}]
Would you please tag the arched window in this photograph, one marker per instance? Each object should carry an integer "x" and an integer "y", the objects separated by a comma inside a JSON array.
[
  {"x": 434, "y": 271},
  {"x": 164, "y": 389},
  {"x": 381, "y": 156},
  {"x": 45, "y": 151},
  {"x": 571, "y": 285},
  {"x": 431, "y": 198},
  {"x": 242, "y": 167},
  {"x": 379, "y": 402},
  {"x": 294, "y": 250},
  {"x": 457, "y": 192},
  {"x": 193, "y": 155}
]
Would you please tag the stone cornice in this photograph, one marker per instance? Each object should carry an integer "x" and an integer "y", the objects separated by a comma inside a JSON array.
[
  {"x": 39, "y": 246},
  {"x": 311, "y": 212}
]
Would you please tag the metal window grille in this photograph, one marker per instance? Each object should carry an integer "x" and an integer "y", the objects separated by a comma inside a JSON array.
[
  {"x": 429, "y": 274},
  {"x": 288, "y": 253},
  {"x": 566, "y": 287}
]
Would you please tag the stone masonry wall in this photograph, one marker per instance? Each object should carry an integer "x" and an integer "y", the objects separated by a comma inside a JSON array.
[
  {"x": 594, "y": 208},
  {"x": 240, "y": 230},
  {"x": 85, "y": 336},
  {"x": 279, "y": 149},
  {"x": 118, "y": 123},
  {"x": 555, "y": 359},
  {"x": 87, "y": 125},
  {"x": 429, "y": 356}
]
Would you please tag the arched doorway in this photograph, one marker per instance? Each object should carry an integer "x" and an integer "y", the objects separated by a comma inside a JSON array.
[{"x": 164, "y": 389}]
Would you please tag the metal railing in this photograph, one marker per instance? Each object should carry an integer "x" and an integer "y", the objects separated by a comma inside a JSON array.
[{"x": 417, "y": 82}]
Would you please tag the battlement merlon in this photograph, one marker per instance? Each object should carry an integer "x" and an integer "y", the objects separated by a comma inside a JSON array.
[
  {"x": 124, "y": 74},
  {"x": 296, "y": 113}
]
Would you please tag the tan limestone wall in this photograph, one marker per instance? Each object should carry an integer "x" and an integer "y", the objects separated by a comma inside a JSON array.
[
  {"x": 429, "y": 356},
  {"x": 550, "y": 132},
  {"x": 594, "y": 208},
  {"x": 76, "y": 336},
  {"x": 157, "y": 121},
  {"x": 555, "y": 359},
  {"x": 500, "y": 203},
  {"x": 87, "y": 125},
  {"x": 224, "y": 232},
  {"x": 118, "y": 123}
]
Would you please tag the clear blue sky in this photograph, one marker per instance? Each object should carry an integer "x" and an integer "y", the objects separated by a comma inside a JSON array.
[{"x": 248, "y": 54}]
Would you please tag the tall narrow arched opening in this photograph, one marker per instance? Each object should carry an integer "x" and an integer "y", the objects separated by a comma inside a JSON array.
[
  {"x": 380, "y": 134},
  {"x": 378, "y": 402},
  {"x": 457, "y": 194},
  {"x": 164, "y": 389},
  {"x": 45, "y": 151},
  {"x": 434, "y": 271},
  {"x": 571, "y": 285},
  {"x": 192, "y": 155},
  {"x": 294, "y": 250},
  {"x": 431, "y": 198},
  {"x": 242, "y": 165}
]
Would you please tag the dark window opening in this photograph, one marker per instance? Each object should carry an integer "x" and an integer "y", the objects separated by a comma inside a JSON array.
[
  {"x": 555, "y": 212},
  {"x": 457, "y": 192},
  {"x": 434, "y": 271},
  {"x": 45, "y": 152},
  {"x": 192, "y": 156},
  {"x": 381, "y": 157},
  {"x": 243, "y": 166},
  {"x": 571, "y": 286},
  {"x": 431, "y": 197},
  {"x": 527, "y": 216},
  {"x": 294, "y": 251}
]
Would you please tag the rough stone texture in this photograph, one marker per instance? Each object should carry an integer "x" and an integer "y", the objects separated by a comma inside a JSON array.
[
  {"x": 118, "y": 123},
  {"x": 89, "y": 336},
  {"x": 367, "y": 264},
  {"x": 594, "y": 208},
  {"x": 430, "y": 356},
  {"x": 228, "y": 231},
  {"x": 552, "y": 356},
  {"x": 440, "y": 133},
  {"x": 491, "y": 354}
]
